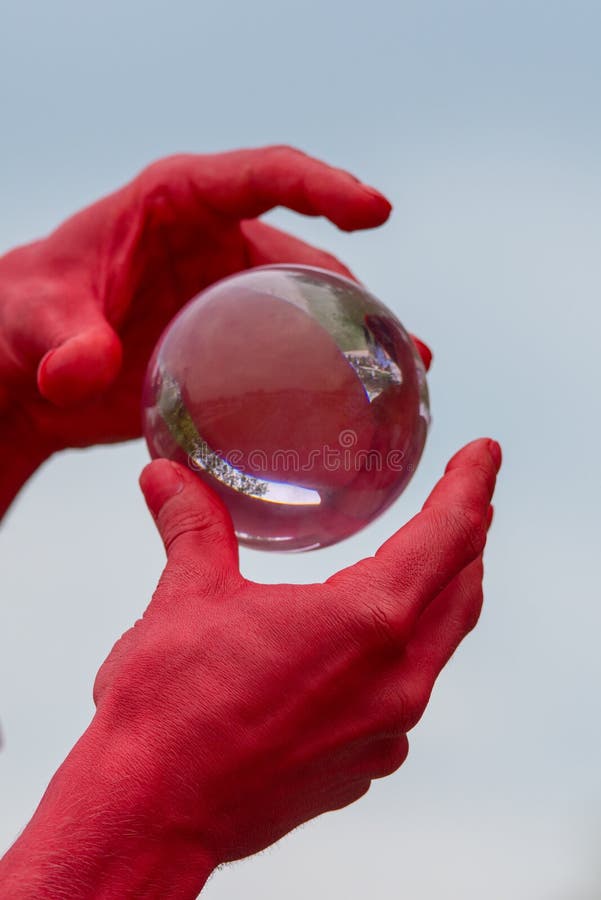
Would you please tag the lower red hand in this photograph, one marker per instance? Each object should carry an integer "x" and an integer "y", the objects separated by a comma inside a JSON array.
[
  {"x": 234, "y": 711},
  {"x": 280, "y": 701}
]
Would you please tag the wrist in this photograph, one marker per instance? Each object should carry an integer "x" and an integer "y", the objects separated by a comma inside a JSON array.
[{"x": 96, "y": 834}]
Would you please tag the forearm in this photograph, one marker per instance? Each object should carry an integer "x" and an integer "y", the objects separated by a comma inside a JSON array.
[{"x": 93, "y": 836}]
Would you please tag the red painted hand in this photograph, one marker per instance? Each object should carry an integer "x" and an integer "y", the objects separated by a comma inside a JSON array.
[
  {"x": 81, "y": 310},
  {"x": 257, "y": 707},
  {"x": 234, "y": 711}
]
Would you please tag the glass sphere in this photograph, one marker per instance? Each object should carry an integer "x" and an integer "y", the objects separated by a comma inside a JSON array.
[{"x": 297, "y": 396}]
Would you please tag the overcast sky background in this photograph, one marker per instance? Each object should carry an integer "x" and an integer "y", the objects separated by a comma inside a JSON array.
[{"x": 481, "y": 121}]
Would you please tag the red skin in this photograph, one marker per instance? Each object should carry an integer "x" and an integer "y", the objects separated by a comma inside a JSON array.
[
  {"x": 232, "y": 711},
  {"x": 81, "y": 311}
]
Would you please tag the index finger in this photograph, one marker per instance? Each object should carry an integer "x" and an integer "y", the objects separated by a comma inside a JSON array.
[
  {"x": 423, "y": 557},
  {"x": 245, "y": 184}
]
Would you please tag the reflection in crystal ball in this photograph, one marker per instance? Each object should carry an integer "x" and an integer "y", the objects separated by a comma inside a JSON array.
[{"x": 297, "y": 396}]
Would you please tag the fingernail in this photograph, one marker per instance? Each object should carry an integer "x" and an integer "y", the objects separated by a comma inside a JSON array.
[
  {"x": 372, "y": 192},
  {"x": 160, "y": 481},
  {"x": 495, "y": 451},
  {"x": 424, "y": 352}
]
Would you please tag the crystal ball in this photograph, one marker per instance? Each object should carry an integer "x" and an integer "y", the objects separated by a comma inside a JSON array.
[{"x": 297, "y": 396}]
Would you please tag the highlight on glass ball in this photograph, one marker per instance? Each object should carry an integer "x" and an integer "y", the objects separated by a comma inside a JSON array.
[{"x": 297, "y": 396}]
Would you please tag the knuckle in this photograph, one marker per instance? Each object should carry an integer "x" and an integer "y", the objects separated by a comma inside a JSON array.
[
  {"x": 486, "y": 475},
  {"x": 110, "y": 667},
  {"x": 282, "y": 152},
  {"x": 403, "y": 706},
  {"x": 191, "y": 523},
  {"x": 357, "y": 790},
  {"x": 377, "y": 623},
  {"x": 474, "y": 608},
  {"x": 159, "y": 184},
  {"x": 382, "y": 625},
  {"x": 468, "y": 528},
  {"x": 159, "y": 173},
  {"x": 349, "y": 792},
  {"x": 390, "y": 756},
  {"x": 100, "y": 683},
  {"x": 378, "y": 615}
]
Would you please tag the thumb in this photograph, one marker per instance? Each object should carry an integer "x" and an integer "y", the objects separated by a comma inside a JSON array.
[
  {"x": 191, "y": 519},
  {"x": 84, "y": 361}
]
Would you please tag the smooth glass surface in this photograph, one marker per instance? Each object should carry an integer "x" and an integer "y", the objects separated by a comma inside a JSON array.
[{"x": 297, "y": 396}]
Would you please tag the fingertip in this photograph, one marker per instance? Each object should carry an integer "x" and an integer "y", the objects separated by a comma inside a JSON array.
[
  {"x": 468, "y": 485},
  {"x": 482, "y": 451},
  {"x": 494, "y": 448},
  {"x": 368, "y": 209},
  {"x": 424, "y": 352},
  {"x": 159, "y": 481},
  {"x": 380, "y": 202},
  {"x": 80, "y": 368}
]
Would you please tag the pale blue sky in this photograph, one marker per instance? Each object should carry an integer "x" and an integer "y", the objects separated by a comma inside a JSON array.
[{"x": 481, "y": 122}]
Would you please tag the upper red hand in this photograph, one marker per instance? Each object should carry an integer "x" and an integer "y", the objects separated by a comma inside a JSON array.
[{"x": 80, "y": 311}]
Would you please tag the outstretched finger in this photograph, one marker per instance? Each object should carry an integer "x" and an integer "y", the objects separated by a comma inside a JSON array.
[
  {"x": 424, "y": 556},
  {"x": 244, "y": 184},
  {"x": 442, "y": 627},
  {"x": 398, "y": 700},
  {"x": 444, "y": 624}
]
